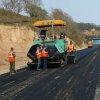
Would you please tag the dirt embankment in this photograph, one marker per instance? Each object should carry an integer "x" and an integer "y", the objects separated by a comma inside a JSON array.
[{"x": 18, "y": 37}]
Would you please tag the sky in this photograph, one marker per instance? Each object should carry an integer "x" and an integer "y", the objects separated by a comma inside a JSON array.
[{"x": 87, "y": 11}]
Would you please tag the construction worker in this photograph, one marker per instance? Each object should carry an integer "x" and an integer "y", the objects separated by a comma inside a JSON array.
[
  {"x": 39, "y": 55},
  {"x": 43, "y": 40},
  {"x": 71, "y": 47},
  {"x": 71, "y": 52},
  {"x": 45, "y": 55},
  {"x": 11, "y": 57}
]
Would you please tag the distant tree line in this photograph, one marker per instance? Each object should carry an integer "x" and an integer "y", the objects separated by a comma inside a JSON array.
[{"x": 88, "y": 26}]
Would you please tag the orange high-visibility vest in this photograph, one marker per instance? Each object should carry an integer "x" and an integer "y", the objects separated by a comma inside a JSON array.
[
  {"x": 71, "y": 47},
  {"x": 11, "y": 57},
  {"x": 45, "y": 53},
  {"x": 39, "y": 54}
]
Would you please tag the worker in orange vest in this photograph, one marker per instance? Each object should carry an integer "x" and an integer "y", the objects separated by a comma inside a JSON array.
[
  {"x": 71, "y": 51},
  {"x": 39, "y": 55},
  {"x": 71, "y": 47},
  {"x": 45, "y": 55},
  {"x": 11, "y": 57}
]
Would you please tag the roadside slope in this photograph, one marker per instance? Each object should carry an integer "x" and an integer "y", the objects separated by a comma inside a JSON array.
[{"x": 18, "y": 37}]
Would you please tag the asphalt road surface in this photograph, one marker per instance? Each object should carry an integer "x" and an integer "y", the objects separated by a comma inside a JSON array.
[{"x": 79, "y": 81}]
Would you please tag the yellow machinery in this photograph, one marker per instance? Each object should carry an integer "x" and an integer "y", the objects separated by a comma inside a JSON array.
[{"x": 90, "y": 43}]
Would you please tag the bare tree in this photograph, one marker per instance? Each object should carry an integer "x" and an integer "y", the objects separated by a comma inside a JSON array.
[
  {"x": 19, "y": 5},
  {"x": 29, "y": 3},
  {"x": 12, "y": 5}
]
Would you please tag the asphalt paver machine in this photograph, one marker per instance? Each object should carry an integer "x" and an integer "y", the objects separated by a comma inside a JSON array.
[{"x": 56, "y": 48}]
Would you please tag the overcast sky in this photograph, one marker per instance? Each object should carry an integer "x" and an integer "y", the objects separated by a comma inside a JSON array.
[{"x": 80, "y": 10}]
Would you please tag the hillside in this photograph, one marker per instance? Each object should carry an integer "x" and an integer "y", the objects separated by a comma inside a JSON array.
[
  {"x": 88, "y": 26},
  {"x": 8, "y": 17},
  {"x": 20, "y": 38}
]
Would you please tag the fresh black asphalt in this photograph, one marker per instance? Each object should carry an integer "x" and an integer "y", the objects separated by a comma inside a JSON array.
[{"x": 78, "y": 81}]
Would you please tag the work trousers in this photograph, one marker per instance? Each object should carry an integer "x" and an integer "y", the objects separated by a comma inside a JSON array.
[
  {"x": 44, "y": 62},
  {"x": 12, "y": 67},
  {"x": 39, "y": 63}
]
